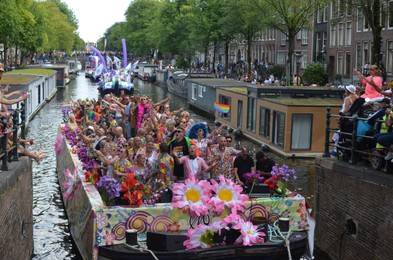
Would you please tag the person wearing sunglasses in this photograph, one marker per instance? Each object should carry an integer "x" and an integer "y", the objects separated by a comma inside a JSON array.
[{"x": 179, "y": 145}]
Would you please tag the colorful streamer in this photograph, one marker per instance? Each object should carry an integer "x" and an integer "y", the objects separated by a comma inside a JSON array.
[
  {"x": 123, "y": 43},
  {"x": 99, "y": 56}
]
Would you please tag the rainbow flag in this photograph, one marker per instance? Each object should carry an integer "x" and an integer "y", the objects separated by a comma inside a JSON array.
[
  {"x": 66, "y": 106},
  {"x": 222, "y": 108}
]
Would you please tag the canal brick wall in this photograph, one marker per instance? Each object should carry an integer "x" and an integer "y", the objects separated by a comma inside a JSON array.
[
  {"x": 16, "y": 210},
  {"x": 354, "y": 211}
]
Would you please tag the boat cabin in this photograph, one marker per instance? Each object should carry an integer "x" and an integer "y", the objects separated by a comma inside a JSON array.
[
  {"x": 147, "y": 72},
  {"x": 290, "y": 120}
]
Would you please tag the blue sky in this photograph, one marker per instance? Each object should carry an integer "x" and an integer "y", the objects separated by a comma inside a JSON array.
[{"x": 96, "y": 16}]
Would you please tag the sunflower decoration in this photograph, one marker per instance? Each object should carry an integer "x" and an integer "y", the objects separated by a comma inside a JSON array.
[
  {"x": 227, "y": 193},
  {"x": 192, "y": 193}
]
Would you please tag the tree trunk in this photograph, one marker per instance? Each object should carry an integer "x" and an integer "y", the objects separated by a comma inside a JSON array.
[
  {"x": 249, "y": 42},
  {"x": 291, "y": 47},
  {"x": 226, "y": 57}
]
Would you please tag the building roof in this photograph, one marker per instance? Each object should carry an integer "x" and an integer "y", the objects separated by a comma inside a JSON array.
[{"x": 215, "y": 83}]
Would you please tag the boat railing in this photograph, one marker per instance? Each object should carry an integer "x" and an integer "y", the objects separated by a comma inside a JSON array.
[
  {"x": 10, "y": 153},
  {"x": 355, "y": 146}
]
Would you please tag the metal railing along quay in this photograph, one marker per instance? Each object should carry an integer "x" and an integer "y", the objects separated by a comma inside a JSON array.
[
  {"x": 10, "y": 152},
  {"x": 357, "y": 149}
]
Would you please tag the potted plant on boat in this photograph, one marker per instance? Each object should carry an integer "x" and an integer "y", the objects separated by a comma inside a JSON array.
[{"x": 279, "y": 179}]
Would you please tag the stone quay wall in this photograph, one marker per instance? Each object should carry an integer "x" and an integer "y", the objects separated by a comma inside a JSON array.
[
  {"x": 354, "y": 211},
  {"x": 16, "y": 210}
]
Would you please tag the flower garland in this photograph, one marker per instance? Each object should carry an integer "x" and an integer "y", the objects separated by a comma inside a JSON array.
[{"x": 201, "y": 197}]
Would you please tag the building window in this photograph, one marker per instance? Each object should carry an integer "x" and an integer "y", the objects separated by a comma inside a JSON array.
[
  {"x": 278, "y": 128},
  {"x": 383, "y": 15},
  {"x": 365, "y": 24},
  {"x": 340, "y": 63},
  {"x": 348, "y": 34},
  {"x": 251, "y": 113},
  {"x": 365, "y": 53},
  {"x": 333, "y": 10},
  {"x": 200, "y": 91},
  {"x": 389, "y": 59},
  {"x": 264, "y": 122},
  {"x": 283, "y": 39},
  {"x": 304, "y": 36},
  {"x": 340, "y": 34},
  {"x": 347, "y": 64},
  {"x": 281, "y": 57},
  {"x": 359, "y": 19},
  {"x": 227, "y": 101},
  {"x": 359, "y": 56},
  {"x": 301, "y": 132},
  {"x": 194, "y": 91},
  {"x": 333, "y": 36},
  {"x": 390, "y": 15},
  {"x": 325, "y": 13}
]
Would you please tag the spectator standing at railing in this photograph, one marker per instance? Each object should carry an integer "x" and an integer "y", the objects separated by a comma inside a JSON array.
[{"x": 372, "y": 90}]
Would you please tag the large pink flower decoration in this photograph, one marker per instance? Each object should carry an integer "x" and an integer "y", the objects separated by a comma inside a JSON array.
[
  {"x": 192, "y": 193},
  {"x": 70, "y": 184},
  {"x": 58, "y": 143},
  {"x": 249, "y": 233},
  {"x": 227, "y": 193},
  {"x": 195, "y": 237}
]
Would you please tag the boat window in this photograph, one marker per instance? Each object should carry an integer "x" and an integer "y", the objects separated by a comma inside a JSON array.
[
  {"x": 264, "y": 122},
  {"x": 278, "y": 128},
  {"x": 301, "y": 131}
]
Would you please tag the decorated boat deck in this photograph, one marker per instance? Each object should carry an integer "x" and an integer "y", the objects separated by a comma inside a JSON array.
[{"x": 95, "y": 226}]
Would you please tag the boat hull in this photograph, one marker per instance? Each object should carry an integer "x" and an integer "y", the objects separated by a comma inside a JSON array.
[{"x": 268, "y": 250}]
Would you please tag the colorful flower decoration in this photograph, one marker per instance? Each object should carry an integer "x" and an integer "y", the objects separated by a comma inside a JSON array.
[
  {"x": 249, "y": 233},
  {"x": 92, "y": 176},
  {"x": 70, "y": 184},
  {"x": 192, "y": 193},
  {"x": 58, "y": 144},
  {"x": 227, "y": 193},
  {"x": 198, "y": 237}
]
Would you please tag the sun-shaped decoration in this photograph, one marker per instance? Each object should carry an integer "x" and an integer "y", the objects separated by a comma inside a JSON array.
[
  {"x": 227, "y": 193},
  {"x": 192, "y": 193}
]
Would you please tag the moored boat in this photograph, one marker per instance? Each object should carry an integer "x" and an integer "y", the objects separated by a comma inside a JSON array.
[{"x": 91, "y": 65}]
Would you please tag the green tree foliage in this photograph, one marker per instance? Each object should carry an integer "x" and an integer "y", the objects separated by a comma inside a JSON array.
[
  {"x": 37, "y": 26},
  {"x": 246, "y": 20},
  {"x": 288, "y": 17},
  {"x": 315, "y": 73}
]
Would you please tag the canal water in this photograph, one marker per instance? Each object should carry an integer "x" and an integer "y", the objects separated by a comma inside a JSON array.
[{"x": 52, "y": 239}]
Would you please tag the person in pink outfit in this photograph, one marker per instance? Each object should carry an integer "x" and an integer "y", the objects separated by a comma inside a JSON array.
[
  {"x": 194, "y": 164},
  {"x": 373, "y": 83}
]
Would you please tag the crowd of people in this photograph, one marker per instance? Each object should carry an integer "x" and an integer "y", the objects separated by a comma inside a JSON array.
[
  {"x": 379, "y": 122},
  {"x": 132, "y": 134}
]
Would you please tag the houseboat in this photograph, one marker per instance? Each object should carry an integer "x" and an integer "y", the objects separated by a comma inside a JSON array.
[
  {"x": 290, "y": 120},
  {"x": 201, "y": 92},
  {"x": 176, "y": 81},
  {"x": 99, "y": 231},
  {"x": 147, "y": 72},
  {"x": 40, "y": 83},
  {"x": 61, "y": 72}
]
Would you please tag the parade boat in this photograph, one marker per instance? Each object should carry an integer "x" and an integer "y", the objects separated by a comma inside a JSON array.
[
  {"x": 91, "y": 65},
  {"x": 115, "y": 87},
  {"x": 100, "y": 231}
]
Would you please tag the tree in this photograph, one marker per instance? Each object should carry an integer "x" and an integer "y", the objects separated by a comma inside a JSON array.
[
  {"x": 245, "y": 20},
  {"x": 288, "y": 17},
  {"x": 371, "y": 10}
]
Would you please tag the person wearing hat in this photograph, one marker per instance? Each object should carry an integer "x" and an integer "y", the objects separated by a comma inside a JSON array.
[
  {"x": 90, "y": 131},
  {"x": 349, "y": 99}
]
